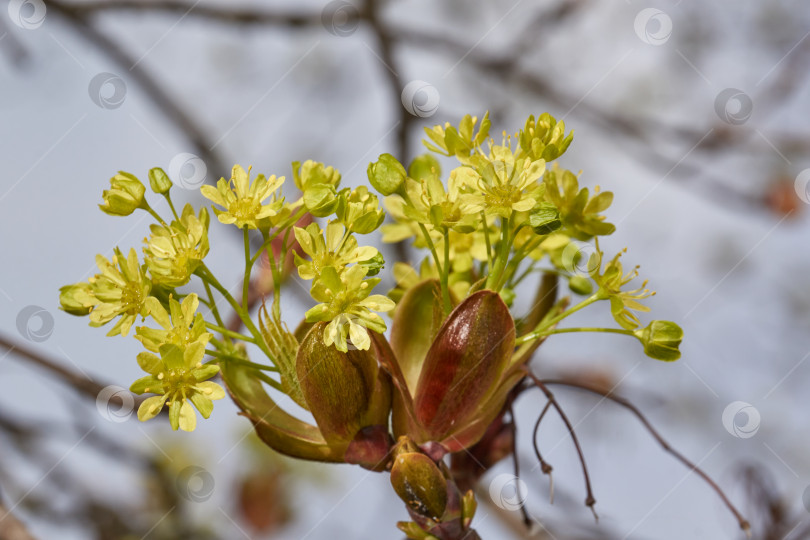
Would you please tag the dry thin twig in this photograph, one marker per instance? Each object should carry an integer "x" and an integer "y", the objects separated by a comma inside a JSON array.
[
  {"x": 590, "y": 501},
  {"x": 544, "y": 465},
  {"x": 744, "y": 525}
]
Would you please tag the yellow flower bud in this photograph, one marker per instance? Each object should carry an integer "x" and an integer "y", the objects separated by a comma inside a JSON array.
[{"x": 124, "y": 196}]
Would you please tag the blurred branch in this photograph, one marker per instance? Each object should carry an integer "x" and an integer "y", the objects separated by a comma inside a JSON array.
[
  {"x": 79, "y": 382},
  {"x": 228, "y": 15},
  {"x": 505, "y": 68},
  {"x": 11, "y": 528},
  {"x": 76, "y": 16},
  {"x": 12, "y": 46}
]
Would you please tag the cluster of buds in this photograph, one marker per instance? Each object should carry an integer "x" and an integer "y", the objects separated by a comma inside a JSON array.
[{"x": 440, "y": 381}]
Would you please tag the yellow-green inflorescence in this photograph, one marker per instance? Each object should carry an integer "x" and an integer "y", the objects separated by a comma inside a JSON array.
[{"x": 488, "y": 216}]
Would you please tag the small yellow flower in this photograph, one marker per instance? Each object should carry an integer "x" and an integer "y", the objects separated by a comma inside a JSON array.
[
  {"x": 120, "y": 289},
  {"x": 338, "y": 250},
  {"x": 179, "y": 378},
  {"x": 359, "y": 210},
  {"x": 504, "y": 184},
  {"x": 173, "y": 253},
  {"x": 611, "y": 281},
  {"x": 182, "y": 325},
  {"x": 429, "y": 203},
  {"x": 243, "y": 200},
  {"x": 348, "y": 307}
]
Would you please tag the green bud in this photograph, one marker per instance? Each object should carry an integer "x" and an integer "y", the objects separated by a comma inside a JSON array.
[
  {"x": 420, "y": 484},
  {"x": 387, "y": 175},
  {"x": 424, "y": 167},
  {"x": 580, "y": 285},
  {"x": 545, "y": 219},
  {"x": 413, "y": 531},
  {"x": 312, "y": 173},
  {"x": 464, "y": 365},
  {"x": 159, "y": 181},
  {"x": 661, "y": 340},
  {"x": 321, "y": 200},
  {"x": 359, "y": 210},
  {"x": 124, "y": 196},
  {"x": 77, "y": 299},
  {"x": 345, "y": 391}
]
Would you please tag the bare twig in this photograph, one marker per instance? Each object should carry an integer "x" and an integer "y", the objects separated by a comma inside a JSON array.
[
  {"x": 544, "y": 465},
  {"x": 516, "y": 461},
  {"x": 590, "y": 501},
  {"x": 744, "y": 525},
  {"x": 79, "y": 382}
]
